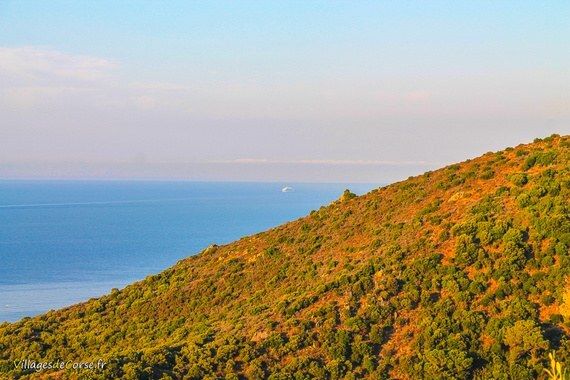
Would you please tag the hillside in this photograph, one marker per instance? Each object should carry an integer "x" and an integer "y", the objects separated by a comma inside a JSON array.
[{"x": 457, "y": 273}]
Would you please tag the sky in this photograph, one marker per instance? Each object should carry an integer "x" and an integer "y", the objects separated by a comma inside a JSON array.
[{"x": 307, "y": 91}]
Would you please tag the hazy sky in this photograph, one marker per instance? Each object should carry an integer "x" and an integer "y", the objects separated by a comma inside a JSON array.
[{"x": 287, "y": 91}]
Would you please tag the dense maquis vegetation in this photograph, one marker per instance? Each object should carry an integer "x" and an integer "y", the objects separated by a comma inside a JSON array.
[{"x": 458, "y": 273}]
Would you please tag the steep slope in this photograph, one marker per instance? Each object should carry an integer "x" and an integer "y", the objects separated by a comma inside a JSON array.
[{"x": 459, "y": 272}]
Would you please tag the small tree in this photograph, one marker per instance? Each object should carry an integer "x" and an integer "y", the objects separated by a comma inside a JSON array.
[
  {"x": 346, "y": 195},
  {"x": 565, "y": 306},
  {"x": 524, "y": 338}
]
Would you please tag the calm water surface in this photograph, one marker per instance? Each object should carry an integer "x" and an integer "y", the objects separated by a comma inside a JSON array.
[{"x": 63, "y": 242}]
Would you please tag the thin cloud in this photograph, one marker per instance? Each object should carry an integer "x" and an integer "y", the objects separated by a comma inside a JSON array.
[
  {"x": 327, "y": 162},
  {"x": 32, "y": 76},
  {"x": 159, "y": 86},
  {"x": 37, "y": 63}
]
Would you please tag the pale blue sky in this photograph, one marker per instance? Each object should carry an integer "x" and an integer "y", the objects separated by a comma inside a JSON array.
[{"x": 276, "y": 90}]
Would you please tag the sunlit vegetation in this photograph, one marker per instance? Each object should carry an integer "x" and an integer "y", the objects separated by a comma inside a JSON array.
[
  {"x": 458, "y": 273},
  {"x": 556, "y": 370}
]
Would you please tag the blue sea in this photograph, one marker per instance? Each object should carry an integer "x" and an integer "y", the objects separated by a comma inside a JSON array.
[{"x": 63, "y": 242}]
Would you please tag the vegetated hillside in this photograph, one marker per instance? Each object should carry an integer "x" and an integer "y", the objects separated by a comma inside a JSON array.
[{"x": 457, "y": 273}]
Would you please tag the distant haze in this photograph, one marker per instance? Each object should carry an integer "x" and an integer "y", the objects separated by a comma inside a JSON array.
[{"x": 275, "y": 91}]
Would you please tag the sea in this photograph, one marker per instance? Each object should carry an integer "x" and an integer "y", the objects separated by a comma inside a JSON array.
[{"x": 64, "y": 242}]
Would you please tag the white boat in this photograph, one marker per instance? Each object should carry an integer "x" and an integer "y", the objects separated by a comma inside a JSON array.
[{"x": 286, "y": 189}]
